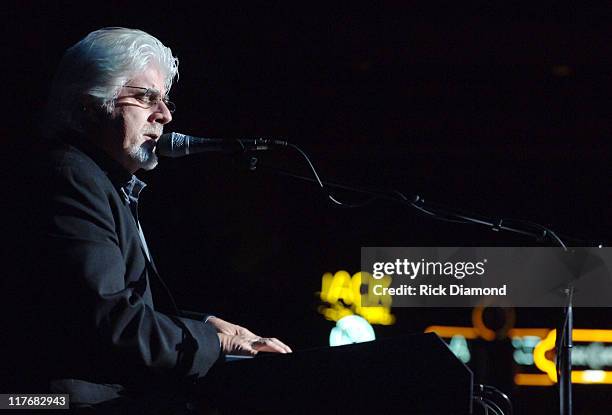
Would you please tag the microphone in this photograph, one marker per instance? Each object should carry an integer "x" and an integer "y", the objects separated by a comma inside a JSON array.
[{"x": 179, "y": 145}]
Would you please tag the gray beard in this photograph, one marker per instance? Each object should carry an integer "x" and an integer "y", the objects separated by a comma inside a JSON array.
[{"x": 144, "y": 156}]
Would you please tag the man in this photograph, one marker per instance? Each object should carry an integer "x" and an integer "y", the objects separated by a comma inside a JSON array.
[{"x": 92, "y": 327}]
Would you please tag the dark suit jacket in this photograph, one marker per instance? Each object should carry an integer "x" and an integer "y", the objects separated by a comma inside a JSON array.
[{"x": 86, "y": 310}]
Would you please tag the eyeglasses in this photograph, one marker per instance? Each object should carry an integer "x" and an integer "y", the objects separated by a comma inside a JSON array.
[{"x": 151, "y": 97}]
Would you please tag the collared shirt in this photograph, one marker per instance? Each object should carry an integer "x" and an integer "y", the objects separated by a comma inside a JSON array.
[{"x": 131, "y": 192}]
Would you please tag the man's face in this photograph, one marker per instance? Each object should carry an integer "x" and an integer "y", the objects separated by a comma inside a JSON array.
[{"x": 136, "y": 123}]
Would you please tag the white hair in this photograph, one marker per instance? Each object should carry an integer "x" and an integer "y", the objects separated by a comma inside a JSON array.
[{"x": 98, "y": 66}]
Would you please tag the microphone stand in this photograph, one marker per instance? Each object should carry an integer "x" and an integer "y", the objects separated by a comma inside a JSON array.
[
  {"x": 564, "y": 342},
  {"x": 564, "y": 357}
]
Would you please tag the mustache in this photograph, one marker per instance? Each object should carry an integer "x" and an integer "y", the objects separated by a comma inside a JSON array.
[{"x": 156, "y": 131}]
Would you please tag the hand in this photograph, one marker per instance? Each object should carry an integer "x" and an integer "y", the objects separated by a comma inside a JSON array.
[
  {"x": 250, "y": 346},
  {"x": 231, "y": 329},
  {"x": 238, "y": 340}
]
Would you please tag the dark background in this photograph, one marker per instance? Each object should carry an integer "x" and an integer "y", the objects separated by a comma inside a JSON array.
[{"x": 497, "y": 110}]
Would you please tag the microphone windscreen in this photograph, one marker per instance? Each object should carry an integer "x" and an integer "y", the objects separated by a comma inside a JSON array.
[{"x": 172, "y": 145}]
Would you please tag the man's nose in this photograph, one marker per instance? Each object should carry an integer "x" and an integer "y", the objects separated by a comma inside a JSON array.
[{"x": 161, "y": 113}]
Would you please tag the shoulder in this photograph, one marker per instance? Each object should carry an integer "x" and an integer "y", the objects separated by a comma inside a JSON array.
[
  {"x": 67, "y": 159},
  {"x": 66, "y": 178},
  {"x": 70, "y": 192},
  {"x": 60, "y": 163}
]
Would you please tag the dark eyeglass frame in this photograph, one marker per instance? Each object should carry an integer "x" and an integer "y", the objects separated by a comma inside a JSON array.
[{"x": 147, "y": 97}]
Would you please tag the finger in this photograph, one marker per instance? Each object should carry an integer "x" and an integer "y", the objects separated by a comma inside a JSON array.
[
  {"x": 277, "y": 343},
  {"x": 242, "y": 350},
  {"x": 263, "y": 346},
  {"x": 286, "y": 348},
  {"x": 237, "y": 345},
  {"x": 244, "y": 346},
  {"x": 249, "y": 350},
  {"x": 270, "y": 345}
]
